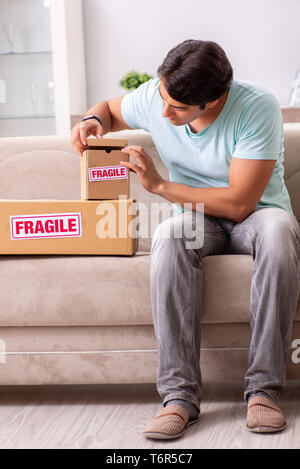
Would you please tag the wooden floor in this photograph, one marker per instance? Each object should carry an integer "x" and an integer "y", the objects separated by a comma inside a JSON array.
[{"x": 114, "y": 417}]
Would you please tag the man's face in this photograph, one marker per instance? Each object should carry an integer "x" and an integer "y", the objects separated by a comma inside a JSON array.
[{"x": 178, "y": 113}]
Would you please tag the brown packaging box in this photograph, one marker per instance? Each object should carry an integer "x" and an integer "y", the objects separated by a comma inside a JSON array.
[
  {"x": 102, "y": 176},
  {"x": 68, "y": 227}
]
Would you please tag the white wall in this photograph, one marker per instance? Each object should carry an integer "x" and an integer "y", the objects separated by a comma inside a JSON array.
[
  {"x": 261, "y": 39},
  {"x": 68, "y": 62}
]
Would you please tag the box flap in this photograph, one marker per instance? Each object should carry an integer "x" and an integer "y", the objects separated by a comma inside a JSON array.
[{"x": 106, "y": 142}]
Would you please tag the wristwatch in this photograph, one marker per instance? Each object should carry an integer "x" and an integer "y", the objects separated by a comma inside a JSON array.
[{"x": 92, "y": 117}]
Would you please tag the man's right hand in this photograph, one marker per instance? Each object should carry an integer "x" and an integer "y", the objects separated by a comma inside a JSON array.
[{"x": 81, "y": 131}]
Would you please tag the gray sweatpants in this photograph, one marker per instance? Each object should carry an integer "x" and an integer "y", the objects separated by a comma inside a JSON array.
[{"x": 272, "y": 237}]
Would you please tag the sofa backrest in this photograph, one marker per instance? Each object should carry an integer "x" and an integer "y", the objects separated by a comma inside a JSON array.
[
  {"x": 39, "y": 168},
  {"x": 48, "y": 168},
  {"x": 292, "y": 164}
]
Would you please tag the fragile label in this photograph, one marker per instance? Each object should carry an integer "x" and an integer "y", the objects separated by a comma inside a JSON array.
[
  {"x": 108, "y": 172},
  {"x": 54, "y": 225}
]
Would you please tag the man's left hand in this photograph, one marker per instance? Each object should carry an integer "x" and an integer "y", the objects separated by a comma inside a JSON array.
[{"x": 145, "y": 168}]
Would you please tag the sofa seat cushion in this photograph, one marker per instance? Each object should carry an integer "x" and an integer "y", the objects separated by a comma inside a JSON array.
[
  {"x": 226, "y": 292},
  {"x": 111, "y": 290},
  {"x": 74, "y": 290}
]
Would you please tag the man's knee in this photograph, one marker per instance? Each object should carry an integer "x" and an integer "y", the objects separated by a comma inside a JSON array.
[
  {"x": 187, "y": 227},
  {"x": 279, "y": 236}
]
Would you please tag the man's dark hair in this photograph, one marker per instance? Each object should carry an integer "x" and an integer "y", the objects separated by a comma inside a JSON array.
[{"x": 196, "y": 72}]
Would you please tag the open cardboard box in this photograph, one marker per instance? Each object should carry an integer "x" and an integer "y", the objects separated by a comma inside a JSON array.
[{"x": 102, "y": 176}]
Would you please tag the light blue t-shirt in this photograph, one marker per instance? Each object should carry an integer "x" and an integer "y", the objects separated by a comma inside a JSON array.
[{"x": 249, "y": 126}]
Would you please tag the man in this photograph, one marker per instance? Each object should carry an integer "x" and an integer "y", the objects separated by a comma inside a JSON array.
[{"x": 222, "y": 141}]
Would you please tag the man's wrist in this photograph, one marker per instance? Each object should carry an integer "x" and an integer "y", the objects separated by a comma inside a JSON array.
[
  {"x": 93, "y": 116},
  {"x": 161, "y": 188}
]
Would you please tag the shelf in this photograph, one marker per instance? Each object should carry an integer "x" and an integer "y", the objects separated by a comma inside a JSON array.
[
  {"x": 38, "y": 116},
  {"x": 38, "y": 46},
  {"x": 25, "y": 53}
]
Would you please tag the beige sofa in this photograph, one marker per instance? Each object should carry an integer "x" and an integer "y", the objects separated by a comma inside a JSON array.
[{"x": 88, "y": 319}]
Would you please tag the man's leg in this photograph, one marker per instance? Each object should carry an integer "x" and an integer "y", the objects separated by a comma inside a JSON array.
[
  {"x": 176, "y": 293},
  {"x": 272, "y": 237}
]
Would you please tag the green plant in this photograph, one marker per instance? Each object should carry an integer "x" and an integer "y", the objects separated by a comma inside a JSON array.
[{"x": 133, "y": 80}]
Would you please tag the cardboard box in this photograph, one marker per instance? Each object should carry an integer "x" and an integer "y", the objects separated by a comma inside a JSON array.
[
  {"x": 102, "y": 176},
  {"x": 68, "y": 227}
]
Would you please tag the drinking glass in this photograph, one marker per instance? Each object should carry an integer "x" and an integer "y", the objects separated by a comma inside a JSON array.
[
  {"x": 34, "y": 97},
  {"x": 295, "y": 92},
  {"x": 9, "y": 30},
  {"x": 50, "y": 90}
]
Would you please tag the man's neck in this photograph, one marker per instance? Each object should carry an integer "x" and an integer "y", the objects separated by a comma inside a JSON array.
[{"x": 209, "y": 116}]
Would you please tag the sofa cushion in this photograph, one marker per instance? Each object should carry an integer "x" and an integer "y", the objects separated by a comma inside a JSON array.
[
  {"x": 226, "y": 288},
  {"x": 109, "y": 290},
  {"x": 74, "y": 290}
]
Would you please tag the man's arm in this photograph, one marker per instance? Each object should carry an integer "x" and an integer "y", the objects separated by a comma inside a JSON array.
[
  {"x": 248, "y": 180},
  {"x": 109, "y": 112}
]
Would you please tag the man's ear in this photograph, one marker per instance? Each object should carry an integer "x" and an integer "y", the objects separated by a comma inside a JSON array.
[{"x": 212, "y": 103}]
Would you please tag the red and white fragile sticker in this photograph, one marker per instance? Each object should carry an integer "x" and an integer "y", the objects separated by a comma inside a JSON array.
[
  {"x": 105, "y": 173},
  {"x": 53, "y": 225}
]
